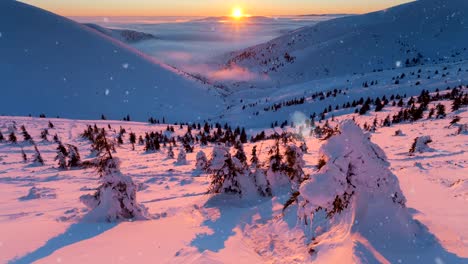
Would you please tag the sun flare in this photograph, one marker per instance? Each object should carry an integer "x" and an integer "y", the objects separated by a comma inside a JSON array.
[{"x": 237, "y": 13}]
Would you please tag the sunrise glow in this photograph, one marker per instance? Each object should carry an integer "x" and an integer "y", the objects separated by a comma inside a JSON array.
[{"x": 237, "y": 13}]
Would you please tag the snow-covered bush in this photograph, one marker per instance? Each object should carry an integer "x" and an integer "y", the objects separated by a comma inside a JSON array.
[
  {"x": 420, "y": 145},
  {"x": 201, "y": 164},
  {"x": 354, "y": 192},
  {"x": 115, "y": 198},
  {"x": 399, "y": 133},
  {"x": 181, "y": 157}
]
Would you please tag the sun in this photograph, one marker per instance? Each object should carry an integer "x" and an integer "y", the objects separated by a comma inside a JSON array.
[{"x": 237, "y": 13}]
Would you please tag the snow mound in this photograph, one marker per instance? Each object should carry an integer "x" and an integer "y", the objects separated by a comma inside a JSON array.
[
  {"x": 82, "y": 73},
  {"x": 39, "y": 193}
]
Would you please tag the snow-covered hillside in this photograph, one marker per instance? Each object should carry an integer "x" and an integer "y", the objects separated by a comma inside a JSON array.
[
  {"x": 125, "y": 35},
  {"x": 51, "y": 65},
  {"x": 187, "y": 225},
  {"x": 413, "y": 34}
]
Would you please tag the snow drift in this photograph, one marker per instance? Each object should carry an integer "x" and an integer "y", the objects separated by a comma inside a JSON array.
[{"x": 52, "y": 65}]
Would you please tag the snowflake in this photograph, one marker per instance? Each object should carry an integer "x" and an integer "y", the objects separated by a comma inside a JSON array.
[
  {"x": 1, "y": 34},
  {"x": 398, "y": 64},
  {"x": 107, "y": 92},
  {"x": 125, "y": 65}
]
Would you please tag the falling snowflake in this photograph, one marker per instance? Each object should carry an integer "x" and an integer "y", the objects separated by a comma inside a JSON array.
[
  {"x": 107, "y": 92},
  {"x": 398, "y": 64},
  {"x": 1, "y": 34},
  {"x": 125, "y": 65}
]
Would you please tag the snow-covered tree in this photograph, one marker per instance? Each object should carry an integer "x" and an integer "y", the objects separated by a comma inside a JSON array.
[
  {"x": 355, "y": 190},
  {"x": 181, "y": 157},
  {"x": 26, "y": 136},
  {"x": 2, "y": 138},
  {"x": 61, "y": 157},
  {"x": 170, "y": 153},
  {"x": 294, "y": 164},
  {"x": 225, "y": 173},
  {"x": 44, "y": 134},
  {"x": 37, "y": 157},
  {"x": 201, "y": 164},
  {"x": 115, "y": 198},
  {"x": 420, "y": 145},
  {"x": 74, "y": 159},
  {"x": 240, "y": 153}
]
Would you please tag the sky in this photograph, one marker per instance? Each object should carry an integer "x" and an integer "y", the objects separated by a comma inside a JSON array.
[{"x": 208, "y": 7}]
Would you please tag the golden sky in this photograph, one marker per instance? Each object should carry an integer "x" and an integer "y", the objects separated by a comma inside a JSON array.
[{"x": 208, "y": 7}]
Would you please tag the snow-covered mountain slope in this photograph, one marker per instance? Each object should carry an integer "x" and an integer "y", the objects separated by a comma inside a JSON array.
[
  {"x": 57, "y": 67},
  {"x": 421, "y": 32},
  {"x": 125, "y": 35},
  {"x": 258, "y": 108}
]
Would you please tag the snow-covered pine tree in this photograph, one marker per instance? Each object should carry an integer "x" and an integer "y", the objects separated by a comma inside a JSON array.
[
  {"x": 26, "y": 136},
  {"x": 240, "y": 153},
  {"x": 2, "y": 138},
  {"x": 254, "y": 157},
  {"x": 420, "y": 145},
  {"x": 181, "y": 157},
  {"x": 276, "y": 174},
  {"x": 61, "y": 157},
  {"x": 170, "y": 153},
  {"x": 355, "y": 190},
  {"x": 74, "y": 159},
  {"x": 44, "y": 134},
  {"x": 294, "y": 164},
  {"x": 201, "y": 164},
  {"x": 115, "y": 198},
  {"x": 258, "y": 175},
  {"x": 225, "y": 173},
  {"x": 37, "y": 157},
  {"x": 132, "y": 138}
]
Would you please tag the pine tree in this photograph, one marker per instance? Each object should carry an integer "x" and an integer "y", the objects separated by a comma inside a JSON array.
[
  {"x": 26, "y": 136},
  {"x": 115, "y": 198},
  {"x": 240, "y": 153},
  {"x": 12, "y": 138},
  {"x": 225, "y": 178},
  {"x": 24, "y": 156},
  {"x": 61, "y": 157},
  {"x": 243, "y": 136},
  {"x": 294, "y": 164},
  {"x": 51, "y": 125},
  {"x": 44, "y": 134},
  {"x": 254, "y": 158},
  {"x": 201, "y": 164},
  {"x": 440, "y": 109},
  {"x": 2, "y": 138},
  {"x": 37, "y": 158},
  {"x": 74, "y": 159},
  {"x": 181, "y": 157},
  {"x": 170, "y": 153},
  {"x": 132, "y": 138}
]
